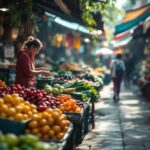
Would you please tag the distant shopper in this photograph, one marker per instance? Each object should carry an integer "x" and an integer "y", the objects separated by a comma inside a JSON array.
[
  {"x": 117, "y": 73},
  {"x": 129, "y": 65},
  {"x": 25, "y": 67}
]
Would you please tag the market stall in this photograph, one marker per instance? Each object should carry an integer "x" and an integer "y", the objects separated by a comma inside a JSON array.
[{"x": 59, "y": 110}]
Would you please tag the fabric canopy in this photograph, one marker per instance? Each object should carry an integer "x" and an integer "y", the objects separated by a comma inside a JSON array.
[
  {"x": 122, "y": 42},
  {"x": 125, "y": 26},
  {"x": 132, "y": 14}
]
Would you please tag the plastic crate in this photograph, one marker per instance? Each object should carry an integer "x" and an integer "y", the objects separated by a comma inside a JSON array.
[
  {"x": 86, "y": 118},
  {"x": 13, "y": 126},
  {"x": 63, "y": 144},
  {"x": 66, "y": 136},
  {"x": 80, "y": 123},
  {"x": 75, "y": 117}
]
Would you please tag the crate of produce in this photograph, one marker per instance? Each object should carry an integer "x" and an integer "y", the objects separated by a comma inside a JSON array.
[
  {"x": 13, "y": 126},
  {"x": 75, "y": 117},
  {"x": 80, "y": 123},
  {"x": 66, "y": 139},
  {"x": 86, "y": 118}
]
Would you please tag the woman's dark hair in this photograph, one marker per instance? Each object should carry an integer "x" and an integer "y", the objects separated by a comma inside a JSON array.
[
  {"x": 31, "y": 41},
  {"x": 118, "y": 56}
]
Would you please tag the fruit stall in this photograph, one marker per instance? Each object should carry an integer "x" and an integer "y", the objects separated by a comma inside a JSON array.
[
  {"x": 58, "y": 111},
  {"x": 141, "y": 77}
]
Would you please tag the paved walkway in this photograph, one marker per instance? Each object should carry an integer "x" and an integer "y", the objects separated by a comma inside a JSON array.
[{"x": 119, "y": 126}]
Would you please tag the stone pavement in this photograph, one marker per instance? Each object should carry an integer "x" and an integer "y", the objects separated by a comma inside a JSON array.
[{"x": 122, "y": 125}]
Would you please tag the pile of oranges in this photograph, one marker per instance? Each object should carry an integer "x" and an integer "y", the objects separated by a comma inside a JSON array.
[
  {"x": 15, "y": 108},
  {"x": 50, "y": 124},
  {"x": 68, "y": 104}
]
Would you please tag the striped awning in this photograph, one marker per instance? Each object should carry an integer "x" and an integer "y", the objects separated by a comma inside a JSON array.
[
  {"x": 132, "y": 14},
  {"x": 134, "y": 22}
]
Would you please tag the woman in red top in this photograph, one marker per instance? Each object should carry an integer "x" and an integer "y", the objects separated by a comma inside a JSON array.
[{"x": 25, "y": 67}]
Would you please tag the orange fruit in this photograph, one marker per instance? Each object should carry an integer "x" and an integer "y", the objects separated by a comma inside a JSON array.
[
  {"x": 55, "y": 115},
  {"x": 43, "y": 122},
  {"x": 68, "y": 108},
  {"x": 74, "y": 107},
  {"x": 62, "y": 108},
  {"x": 56, "y": 129},
  {"x": 34, "y": 116},
  {"x": 30, "y": 114},
  {"x": 73, "y": 102},
  {"x": 65, "y": 128},
  {"x": 49, "y": 110},
  {"x": 34, "y": 111},
  {"x": 58, "y": 121},
  {"x": 51, "y": 133},
  {"x": 33, "y": 124},
  {"x": 58, "y": 110},
  {"x": 27, "y": 103},
  {"x": 63, "y": 124},
  {"x": 46, "y": 115},
  {"x": 33, "y": 106},
  {"x": 1, "y": 101},
  {"x": 60, "y": 135},
  {"x": 4, "y": 108},
  {"x": 11, "y": 112},
  {"x": 26, "y": 109},
  {"x": 14, "y": 95},
  {"x": 63, "y": 116},
  {"x": 35, "y": 131},
  {"x": 51, "y": 121},
  {"x": 15, "y": 100},
  {"x": 45, "y": 129},
  {"x": 19, "y": 108},
  {"x": 7, "y": 98},
  {"x": 18, "y": 116},
  {"x": 25, "y": 117},
  {"x": 78, "y": 110},
  {"x": 67, "y": 122}
]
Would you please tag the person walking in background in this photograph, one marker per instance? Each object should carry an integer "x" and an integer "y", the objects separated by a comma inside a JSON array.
[
  {"x": 117, "y": 73},
  {"x": 129, "y": 65}
]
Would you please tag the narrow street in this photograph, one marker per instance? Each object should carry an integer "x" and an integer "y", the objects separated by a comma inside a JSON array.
[{"x": 120, "y": 126}]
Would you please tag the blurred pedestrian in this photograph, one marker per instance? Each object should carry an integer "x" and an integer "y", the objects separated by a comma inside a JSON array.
[
  {"x": 117, "y": 73},
  {"x": 25, "y": 67},
  {"x": 129, "y": 65}
]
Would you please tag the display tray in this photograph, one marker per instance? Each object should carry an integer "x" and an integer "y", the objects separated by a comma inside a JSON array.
[
  {"x": 74, "y": 117},
  {"x": 13, "y": 126},
  {"x": 66, "y": 136},
  {"x": 62, "y": 143}
]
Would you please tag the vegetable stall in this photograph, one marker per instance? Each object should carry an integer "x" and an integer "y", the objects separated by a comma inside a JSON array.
[{"x": 59, "y": 110}]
